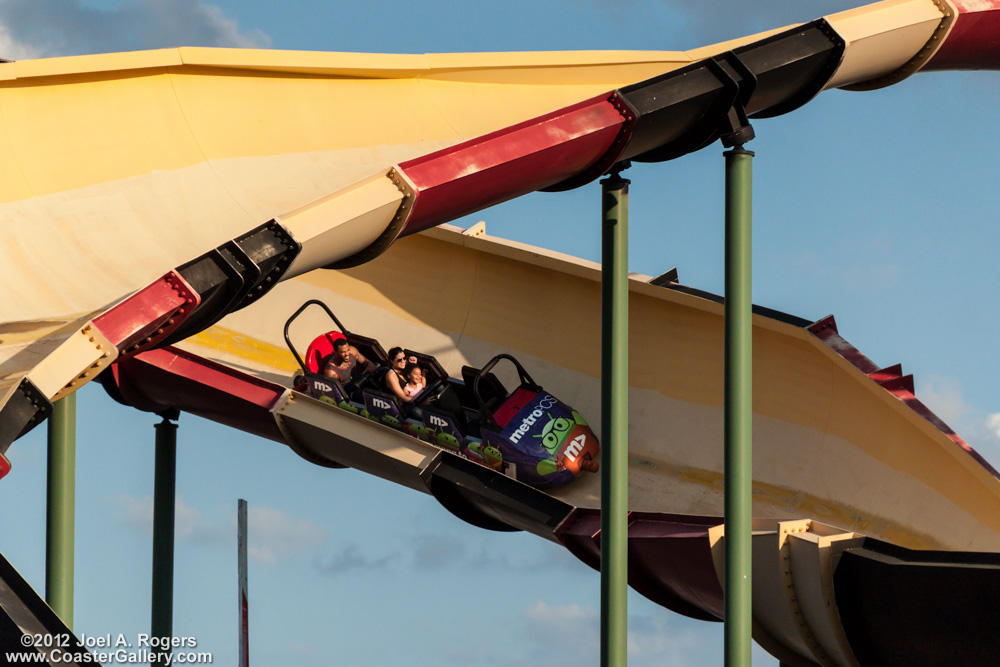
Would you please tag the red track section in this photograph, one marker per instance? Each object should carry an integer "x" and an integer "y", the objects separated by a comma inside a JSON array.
[
  {"x": 148, "y": 316},
  {"x": 172, "y": 378},
  {"x": 974, "y": 41},
  {"x": 511, "y": 162}
]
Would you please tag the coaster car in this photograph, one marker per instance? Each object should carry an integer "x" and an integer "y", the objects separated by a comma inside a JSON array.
[{"x": 527, "y": 433}]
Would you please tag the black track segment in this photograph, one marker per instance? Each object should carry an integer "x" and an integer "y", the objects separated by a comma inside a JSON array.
[
  {"x": 236, "y": 274},
  {"x": 26, "y": 409},
  {"x": 217, "y": 276},
  {"x": 918, "y": 608},
  {"x": 791, "y": 67},
  {"x": 24, "y": 612},
  {"x": 684, "y": 110},
  {"x": 678, "y": 112},
  {"x": 489, "y": 499},
  {"x": 272, "y": 249}
]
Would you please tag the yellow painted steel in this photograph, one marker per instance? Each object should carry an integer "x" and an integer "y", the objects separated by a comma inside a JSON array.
[
  {"x": 116, "y": 168},
  {"x": 833, "y": 445}
]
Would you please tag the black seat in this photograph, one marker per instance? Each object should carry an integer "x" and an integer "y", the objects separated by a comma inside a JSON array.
[
  {"x": 491, "y": 390},
  {"x": 433, "y": 370}
]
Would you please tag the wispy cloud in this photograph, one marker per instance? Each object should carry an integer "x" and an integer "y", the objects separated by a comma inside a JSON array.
[
  {"x": 551, "y": 618},
  {"x": 979, "y": 428},
  {"x": 944, "y": 397},
  {"x": 12, "y": 49},
  {"x": 350, "y": 558},
  {"x": 570, "y": 634},
  {"x": 542, "y": 558},
  {"x": 31, "y": 29},
  {"x": 486, "y": 552},
  {"x": 273, "y": 535},
  {"x": 434, "y": 552},
  {"x": 993, "y": 424},
  {"x": 189, "y": 525},
  {"x": 855, "y": 273}
]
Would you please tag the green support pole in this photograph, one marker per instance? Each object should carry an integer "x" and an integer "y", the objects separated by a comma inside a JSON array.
[
  {"x": 61, "y": 509},
  {"x": 738, "y": 408},
  {"x": 163, "y": 535},
  {"x": 614, "y": 421}
]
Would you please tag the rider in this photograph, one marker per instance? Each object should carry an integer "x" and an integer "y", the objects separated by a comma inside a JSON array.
[
  {"x": 445, "y": 400},
  {"x": 415, "y": 382},
  {"x": 344, "y": 361},
  {"x": 395, "y": 379}
]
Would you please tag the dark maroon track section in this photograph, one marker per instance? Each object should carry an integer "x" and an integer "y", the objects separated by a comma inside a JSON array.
[
  {"x": 171, "y": 378},
  {"x": 974, "y": 40},
  {"x": 670, "y": 558}
]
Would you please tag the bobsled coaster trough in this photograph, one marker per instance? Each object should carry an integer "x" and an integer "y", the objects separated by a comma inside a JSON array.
[{"x": 528, "y": 434}]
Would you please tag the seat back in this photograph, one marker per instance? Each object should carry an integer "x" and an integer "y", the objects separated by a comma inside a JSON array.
[{"x": 320, "y": 350}]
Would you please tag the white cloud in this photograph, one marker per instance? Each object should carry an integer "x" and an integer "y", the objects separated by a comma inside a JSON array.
[
  {"x": 570, "y": 634},
  {"x": 31, "y": 29},
  {"x": 11, "y": 49},
  {"x": 981, "y": 430},
  {"x": 559, "y": 617},
  {"x": 272, "y": 535},
  {"x": 993, "y": 424},
  {"x": 944, "y": 397},
  {"x": 560, "y": 634},
  {"x": 138, "y": 512}
]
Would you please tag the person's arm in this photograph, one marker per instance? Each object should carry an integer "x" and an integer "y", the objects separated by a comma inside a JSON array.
[
  {"x": 357, "y": 355},
  {"x": 392, "y": 382},
  {"x": 367, "y": 365}
]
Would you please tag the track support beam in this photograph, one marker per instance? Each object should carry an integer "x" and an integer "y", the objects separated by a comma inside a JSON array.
[
  {"x": 614, "y": 420},
  {"x": 738, "y": 409},
  {"x": 60, "y": 509},
  {"x": 164, "y": 503}
]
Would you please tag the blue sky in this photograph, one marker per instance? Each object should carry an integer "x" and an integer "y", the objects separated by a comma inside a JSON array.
[{"x": 880, "y": 207}]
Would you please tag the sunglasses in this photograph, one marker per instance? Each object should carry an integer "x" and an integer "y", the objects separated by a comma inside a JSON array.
[{"x": 398, "y": 359}]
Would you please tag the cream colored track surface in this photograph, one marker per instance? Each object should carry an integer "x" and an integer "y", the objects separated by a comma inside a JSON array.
[{"x": 829, "y": 443}]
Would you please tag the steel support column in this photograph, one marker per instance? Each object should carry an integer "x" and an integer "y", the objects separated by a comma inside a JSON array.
[
  {"x": 738, "y": 408},
  {"x": 60, "y": 509},
  {"x": 164, "y": 502},
  {"x": 614, "y": 422}
]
